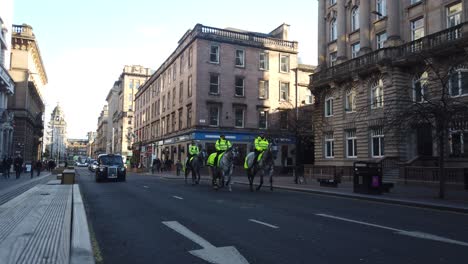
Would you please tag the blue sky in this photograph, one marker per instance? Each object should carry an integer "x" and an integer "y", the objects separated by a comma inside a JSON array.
[{"x": 85, "y": 43}]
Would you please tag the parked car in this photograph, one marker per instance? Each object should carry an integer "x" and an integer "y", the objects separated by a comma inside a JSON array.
[
  {"x": 93, "y": 165},
  {"x": 110, "y": 167}
]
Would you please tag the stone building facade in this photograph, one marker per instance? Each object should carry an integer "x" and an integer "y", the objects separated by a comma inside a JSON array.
[
  {"x": 121, "y": 109},
  {"x": 56, "y": 135},
  {"x": 27, "y": 104},
  {"x": 7, "y": 85},
  {"x": 220, "y": 81},
  {"x": 100, "y": 145},
  {"x": 375, "y": 55}
]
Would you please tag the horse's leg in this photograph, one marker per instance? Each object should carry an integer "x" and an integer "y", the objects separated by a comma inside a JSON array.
[
  {"x": 186, "y": 173},
  {"x": 261, "y": 180},
  {"x": 271, "y": 181},
  {"x": 250, "y": 177}
]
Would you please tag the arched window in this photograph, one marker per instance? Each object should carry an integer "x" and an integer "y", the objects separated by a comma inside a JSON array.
[
  {"x": 377, "y": 98},
  {"x": 355, "y": 18},
  {"x": 333, "y": 32},
  {"x": 419, "y": 87}
]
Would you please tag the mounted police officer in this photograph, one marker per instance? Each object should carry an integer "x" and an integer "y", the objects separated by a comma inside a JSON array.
[
  {"x": 222, "y": 144},
  {"x": 261, "y": 144},
  {"x": 192, "y": 151}
]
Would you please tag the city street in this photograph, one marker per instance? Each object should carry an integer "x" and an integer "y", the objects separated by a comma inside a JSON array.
[{"x": 151, "y": 219}]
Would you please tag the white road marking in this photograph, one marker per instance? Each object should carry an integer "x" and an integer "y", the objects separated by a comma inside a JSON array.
[
  {"x": 144, "y": 186},
  {"x": 263, "y": 223},
  {"x": 415, "y": 234},
  {"x": 178, "y": 197},
  {"x": 209, "y": 253}
]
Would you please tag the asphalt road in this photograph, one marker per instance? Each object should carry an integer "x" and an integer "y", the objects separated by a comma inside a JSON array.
[{"x": 150, "y": 219}]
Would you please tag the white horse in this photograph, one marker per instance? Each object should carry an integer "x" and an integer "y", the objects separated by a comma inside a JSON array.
[
  {"x": 265, "y": 166},
  {"x": 221, "y": 175}
]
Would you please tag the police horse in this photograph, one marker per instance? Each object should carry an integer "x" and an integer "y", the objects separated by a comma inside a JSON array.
[
  {"x": 194, "y": 165},
  {"x": 221, "y": 173},
  {"x": 264, "y": 166}
]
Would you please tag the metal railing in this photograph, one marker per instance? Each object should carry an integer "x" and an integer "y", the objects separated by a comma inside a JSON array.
[
  {"x": 431, "y": 174},
  {"x": 409, "y": 49},
  {"x": 244, "y": 36}
]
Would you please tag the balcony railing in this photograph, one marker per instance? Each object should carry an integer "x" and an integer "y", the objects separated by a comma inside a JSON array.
[
  {"x": 244, "y": 36},
  {"x": 24, "y": 30},
  {"x": 408, "y": 50}
]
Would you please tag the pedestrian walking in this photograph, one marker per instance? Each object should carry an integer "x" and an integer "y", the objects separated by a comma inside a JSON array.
[
  {"x": 153, "y": 166},
  {"x": 9, "y": 162},
  {"x": 178, "y": 167},
  {"x": 2, "y": 167},
  {"x": 18, "y": 164},
  {"x": 158, "y": 165},
  {"x": 32, "y": 169},
  {"x": 38, "y": 167}
]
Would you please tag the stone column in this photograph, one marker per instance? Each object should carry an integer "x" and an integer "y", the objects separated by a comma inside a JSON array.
[
  {"x": 341, "y": 28},
  {"x": 393, "y": 26},
  {"x": 364, "y": 26},
  {"x": 322, "y": 34}
]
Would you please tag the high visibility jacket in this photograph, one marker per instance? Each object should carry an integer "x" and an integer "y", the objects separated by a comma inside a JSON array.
[
  {"x": 194, "y": 150},
  {"x": 222, "y": 144},
  {"x": 261, "y": 144}
]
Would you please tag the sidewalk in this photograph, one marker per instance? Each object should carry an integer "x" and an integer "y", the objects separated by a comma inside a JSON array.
[
  {"x": 44, "y": 224},
  {"x": 412, "y": 195}
]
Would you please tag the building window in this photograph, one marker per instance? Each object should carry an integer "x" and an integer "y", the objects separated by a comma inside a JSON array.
[
  {"x": 214, "y": 115},
  {"x": 417, "y": 29},
  {"x": 173, "y": 122},
  {"x": 130, "y": 84},
  {"x": 214, "y": 83},
  {"x": 355, "y": 50},
  {"x": 181, "y": 92},
  {"x": 415, "y": 1},
  {"x": 168, "y": 124},
  {"x": 239, "y": 118},
  {"x": 381, "y": 8},
  {"x": 377, "y": 137},
  {"x": 173, "y": 96},
  {"x": 189, "y": 116},
  {"x": 355, "y": 18},
  {"x": 377, "y": 98},
  {"x": 263, "y": 63},
  {"x": 329, "y": 107},
  {"x": 350, "y": 101},
  {"x": 284, "y": 63},
  {"x": 263, "y": 89},
  {"x": 181, "y": 64},
  {"x": 284, "y": 91},
  {"x": 419, "y": 87},
  {"x": 308, "y": 97},
  {"x": 263, "y": 120},
  {"x": 130, "y": 97},
  {"x": 164, "y": 103},
  {"x": 329, "y": 145},
  {"x": 174, "y": 71},
  {"x": 190, "y": 57},
  {"x": 180, "y": 119},
  {"x": 332, "y": 2},
  {"x": 351, "y": 144},
  {"x": 240, "y": 58},
  {"x": 189, "y": 86},
  {"x": 458, "y": 82},
  {"x": 381, "y": 38},
  {"x": 333, "y": 30},
  {"x": 239, "y": 91},
  {"x": 214, "y": 54},
  {"x": 454, "y": 13},
  {"x": 332, "y": 59},
  {"x": 168, "y": 100},
  {"x": 458, "y": 143},
  {"x": 283, "y": 120}
]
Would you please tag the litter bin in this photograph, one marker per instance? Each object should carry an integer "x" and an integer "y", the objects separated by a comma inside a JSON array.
[
  {"x": 68, "y": 177},
  {"x": 367, "y": 177}
]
